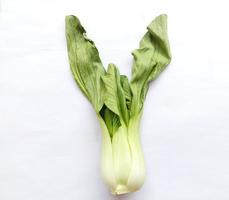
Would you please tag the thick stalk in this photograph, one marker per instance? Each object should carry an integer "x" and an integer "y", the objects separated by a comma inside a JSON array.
[
  {"x": 138, "y": 171},
  {"x": 123, "y": 166}
]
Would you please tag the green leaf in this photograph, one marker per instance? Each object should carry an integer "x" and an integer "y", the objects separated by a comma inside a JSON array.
[
  {"x": 85, "y": 62},
  {"x": 112, "y": 121},
  {"x": 114, "y": 96},
  {"x": 127, "y": 90},
  {"x": 150, "y": 60}
]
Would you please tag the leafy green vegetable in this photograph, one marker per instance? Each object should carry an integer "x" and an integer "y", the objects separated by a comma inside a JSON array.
[{"x": 118, "y": 102}]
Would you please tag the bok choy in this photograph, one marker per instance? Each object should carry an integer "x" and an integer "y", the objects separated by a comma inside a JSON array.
[{"x": 117, "y": 101}]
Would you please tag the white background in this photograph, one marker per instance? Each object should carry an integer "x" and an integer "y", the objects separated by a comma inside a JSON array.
[{"x": 49, "y": 135}]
